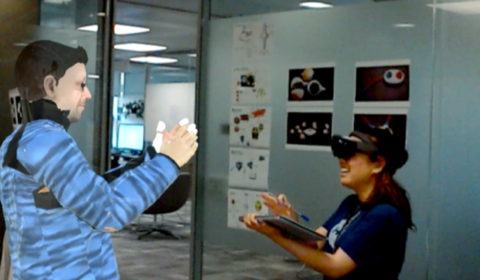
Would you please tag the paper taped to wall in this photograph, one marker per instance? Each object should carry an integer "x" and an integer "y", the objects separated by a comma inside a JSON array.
[
  {"x": 249, "y": 168},
  {"x": 241, "y": 202},
  {"x": 250, "y": 126}
]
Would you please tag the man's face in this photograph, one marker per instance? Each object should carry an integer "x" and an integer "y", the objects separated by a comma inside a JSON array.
[{"x": 71, "y": 93}]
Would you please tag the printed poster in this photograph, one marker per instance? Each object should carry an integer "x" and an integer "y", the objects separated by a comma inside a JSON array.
[
  {"x": 394, "y": 120},
  {"x": 383, "y": 83},
  {"x": 252, "y": 41},
  {"x": 309, "y": 129},
  {"x": 241, "y": 202},
  {"x": 250, "y": 126},
  {"x": 15, "y": 107},
  {"x": 311, "y": 85},
  {"x": 249, "y": 168},
  {"x": 251, "y": 85}
]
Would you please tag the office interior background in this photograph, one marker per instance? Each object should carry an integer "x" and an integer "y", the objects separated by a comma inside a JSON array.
[{"x": 185, "y": 70}]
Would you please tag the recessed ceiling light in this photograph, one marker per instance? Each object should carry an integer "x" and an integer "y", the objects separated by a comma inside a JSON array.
[
  {"x": 465, "y": 7},
  {"x": 404, "y": 25},
  {"x": 128, "y": 29},
  {"x": 315, "y": 5},
  {"x": 153, "y": 59},
  {"x": 119, "y": 29},
  {"x": 192, "y": 55},
  {"x": 137, "y": 47}
]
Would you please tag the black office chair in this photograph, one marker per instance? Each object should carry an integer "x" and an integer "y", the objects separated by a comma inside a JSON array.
[{"x": 170, "y": 201}]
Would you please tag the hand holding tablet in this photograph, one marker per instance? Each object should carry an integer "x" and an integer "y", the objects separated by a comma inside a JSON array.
[{"x": 290, "y": 228}]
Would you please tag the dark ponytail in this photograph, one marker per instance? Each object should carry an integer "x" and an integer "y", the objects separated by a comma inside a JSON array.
[{"x": 389, "y": 191}]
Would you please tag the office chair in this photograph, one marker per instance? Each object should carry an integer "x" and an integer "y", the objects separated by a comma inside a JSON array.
[{"x": 170, "y": 201}]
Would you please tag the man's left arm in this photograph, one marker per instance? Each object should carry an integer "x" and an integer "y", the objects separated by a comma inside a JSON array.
[
  {"x": 149, "y": 153},
  {"x": 115, "y": 173}
]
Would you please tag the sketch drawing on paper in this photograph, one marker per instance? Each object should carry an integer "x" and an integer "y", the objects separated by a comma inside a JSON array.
[
  {"x": 264, "y": 36},
  {"x": 252, "y": 41}
]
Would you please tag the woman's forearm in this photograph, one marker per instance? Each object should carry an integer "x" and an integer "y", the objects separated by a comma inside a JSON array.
[{"x": 313, "y": 258}]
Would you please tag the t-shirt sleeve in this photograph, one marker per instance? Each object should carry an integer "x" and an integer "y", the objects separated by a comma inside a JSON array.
[
  {"x": 341, "y": 210},
  {"x": 367, "y": 242}
]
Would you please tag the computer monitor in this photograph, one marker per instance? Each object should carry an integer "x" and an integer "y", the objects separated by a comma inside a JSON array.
[{"x": 131, "y": 137}]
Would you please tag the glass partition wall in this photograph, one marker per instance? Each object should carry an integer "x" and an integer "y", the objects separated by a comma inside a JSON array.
[
  {"x": 269, "y": 70},
  {"x": 154, "y": 68}
]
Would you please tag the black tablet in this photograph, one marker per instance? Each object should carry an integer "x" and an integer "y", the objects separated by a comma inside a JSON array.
[{"x": 291, "y": 228}]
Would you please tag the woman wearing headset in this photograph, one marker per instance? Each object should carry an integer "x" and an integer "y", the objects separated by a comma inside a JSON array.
[{"x": 366, "y": 236}]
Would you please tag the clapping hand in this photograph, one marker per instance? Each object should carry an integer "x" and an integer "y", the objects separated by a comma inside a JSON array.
[
  {"x": 278, "y": 206},
  {"x": 157, "y": 142}
]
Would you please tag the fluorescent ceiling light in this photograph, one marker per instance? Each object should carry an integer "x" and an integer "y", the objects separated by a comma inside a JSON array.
[
  {"x": 192, "y": 55},
  {"x": 315, "y": 5},
  {"x": 91, "y": 28},
  {"x": 404, "y": 25},
  {"x": 94, "y": 76},
  {"x": 57, "y": 1},
  {"x": 464, "y": 8},
  {"x": 153, "y": 59},
  {"x": 127, "y": 29},
  {"x": 137, "y": 47},
  {"x": 119, "y": 29}
]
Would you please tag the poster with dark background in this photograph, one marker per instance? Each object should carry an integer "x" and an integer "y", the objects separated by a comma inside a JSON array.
[
  {"x": 311, "y": 84},
  {"x": 13, "y": 111},
  {"x": 18, "y": 111},
  {"x": 397, "y": 123},
  {"x": 309, "y": 129},
  {"x": 386, "y": 83}
]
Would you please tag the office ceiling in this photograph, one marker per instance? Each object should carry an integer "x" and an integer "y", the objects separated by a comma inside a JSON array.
[{"x": 173, "y": 23}]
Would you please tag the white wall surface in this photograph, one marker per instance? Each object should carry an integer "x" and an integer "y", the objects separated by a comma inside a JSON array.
[{"x": 169, "y": 103}]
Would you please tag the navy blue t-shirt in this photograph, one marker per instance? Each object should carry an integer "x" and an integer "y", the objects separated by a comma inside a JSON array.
[{"x": 375, "y": 239}]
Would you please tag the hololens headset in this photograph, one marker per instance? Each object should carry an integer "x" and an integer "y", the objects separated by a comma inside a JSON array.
[{"x": 345, "y": 148}]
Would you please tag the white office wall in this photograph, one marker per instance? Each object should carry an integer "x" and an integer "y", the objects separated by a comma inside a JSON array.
[
  {"x": 169, "y": 103},
  {"x": 344, "y": 35}
]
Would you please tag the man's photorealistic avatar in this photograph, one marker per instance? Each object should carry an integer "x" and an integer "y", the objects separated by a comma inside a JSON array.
[{"x": 59, "y": 213}]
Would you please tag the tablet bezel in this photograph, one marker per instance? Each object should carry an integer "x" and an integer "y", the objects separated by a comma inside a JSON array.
[{"x": 280, "y": 222}]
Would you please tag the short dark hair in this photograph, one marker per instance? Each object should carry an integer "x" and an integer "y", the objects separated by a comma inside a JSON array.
[{"x": 40, "y": 59}]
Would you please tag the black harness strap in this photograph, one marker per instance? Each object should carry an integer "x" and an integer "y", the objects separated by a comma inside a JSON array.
[{"x": 40, "y": 109}]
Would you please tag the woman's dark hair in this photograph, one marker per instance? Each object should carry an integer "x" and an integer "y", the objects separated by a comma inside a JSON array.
[
  {"x": 40, "y": 59},
  {"x": 387, "y": 189}
]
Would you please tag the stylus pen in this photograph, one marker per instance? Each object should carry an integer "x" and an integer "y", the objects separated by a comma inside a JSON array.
[{"x": 298, "y": 213}]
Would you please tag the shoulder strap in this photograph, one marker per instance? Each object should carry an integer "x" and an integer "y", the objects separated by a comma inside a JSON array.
[{"x": 10, "y": 158}]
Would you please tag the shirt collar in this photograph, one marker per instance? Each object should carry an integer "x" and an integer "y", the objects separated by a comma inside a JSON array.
[{"x": 44, "y": 109}]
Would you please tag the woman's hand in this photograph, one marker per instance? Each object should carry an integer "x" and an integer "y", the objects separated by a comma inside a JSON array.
[
  {"x": 279, "y": 205},
  {"x": 250, "y": 220}
]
